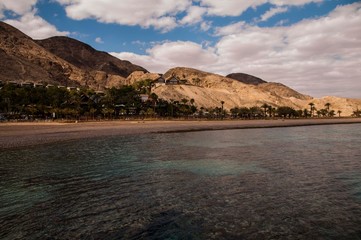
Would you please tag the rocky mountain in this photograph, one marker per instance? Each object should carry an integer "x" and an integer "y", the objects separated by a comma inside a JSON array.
[
  {"x": 85, "y": 57},
  {"x": 22, "y": 59},
  {"x": 208, "y": 90},
  {"x": 65, "y": 61},
  {"x": 246, "y": 78}
]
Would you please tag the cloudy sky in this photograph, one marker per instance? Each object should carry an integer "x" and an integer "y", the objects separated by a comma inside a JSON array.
[{"x": 313, "y": 46}]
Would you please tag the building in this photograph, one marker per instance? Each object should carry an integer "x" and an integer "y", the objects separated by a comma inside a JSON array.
[
  {"x": 38, "y": 85},
  {"x": 144, "y": 97},
  {"x": 27, "y": 84},
  {"x": 71, "y": 88},
  {"x": 159, "y": 81},
  {"x": 172, "y": 81}
]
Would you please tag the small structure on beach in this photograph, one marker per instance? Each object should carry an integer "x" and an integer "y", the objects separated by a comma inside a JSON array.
[
  {"x": 144, "y": 97},
  {"x": 27, "y": 84}
]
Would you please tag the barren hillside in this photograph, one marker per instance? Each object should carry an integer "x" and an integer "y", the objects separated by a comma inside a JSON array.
[{"x": 208, "y": 90}]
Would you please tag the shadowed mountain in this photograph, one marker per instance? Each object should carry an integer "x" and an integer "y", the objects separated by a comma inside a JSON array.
[
  {"x": 24, "y": 59},
  {"x": 246, "y": 78},
  {"x": 85, "y": 57}
]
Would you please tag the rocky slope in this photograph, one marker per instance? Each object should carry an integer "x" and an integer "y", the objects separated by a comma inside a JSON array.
[
  {"x": 23, "y": 59},
  {"x": 208, "y": 90}
]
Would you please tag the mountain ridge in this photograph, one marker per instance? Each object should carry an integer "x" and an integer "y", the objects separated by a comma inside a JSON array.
[
  {"x": 24, "y": 59},
  {"x": 69, "y": 62},
  {"x": 86, "y": 57}
]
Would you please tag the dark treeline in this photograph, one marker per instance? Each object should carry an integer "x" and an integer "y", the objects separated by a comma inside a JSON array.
[{"x": 137, "y": 101}]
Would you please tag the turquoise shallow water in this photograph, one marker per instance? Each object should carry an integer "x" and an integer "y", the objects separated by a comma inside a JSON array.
[{"x": 280, "y": 183}]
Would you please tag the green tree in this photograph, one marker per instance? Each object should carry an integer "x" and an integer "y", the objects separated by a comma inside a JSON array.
[
  {"x": 234, "y": 112},
  {"x": 286, "y": 112},
  {"x": 306, "y": 113},
  {"x": 339, "y": 113},
  {"x": 312, "y": 108},
  {"x": 265, "y": 107},
  {"x": 327, "y": 105},
  {"x": 222, "y": 110}
]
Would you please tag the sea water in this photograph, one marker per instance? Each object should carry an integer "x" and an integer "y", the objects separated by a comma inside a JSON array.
[{"x": 277, "y": 183}]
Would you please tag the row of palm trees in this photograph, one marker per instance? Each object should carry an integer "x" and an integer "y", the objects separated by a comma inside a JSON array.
[
  {"x": 20, "y": 102},
  {"x": 324, "y": 112},
  {"x": 268, "y": 111}
]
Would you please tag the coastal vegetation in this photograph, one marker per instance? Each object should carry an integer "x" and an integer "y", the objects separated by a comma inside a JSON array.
[{"x": 129, "y": 101}]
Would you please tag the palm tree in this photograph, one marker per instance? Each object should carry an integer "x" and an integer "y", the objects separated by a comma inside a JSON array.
[
  {"x": 305, "y": 113},
  {"x": 192, "y": 101},
  {"x": 339, "y": 113},
  {"x": 271, "y": 111},
  {"x": 323, "y": 112},
  {"x": 184, "y": 101},
  {"x": 265, "y": 106},
  {"x": 154, "y": 98},
  {"x": 327, "y": 105},
  {"x": 311, "y": 108},
  {"x": 222, "y": 102},
  {"x": 201, "y": 112},
  {"x": 234, "y": 111}
]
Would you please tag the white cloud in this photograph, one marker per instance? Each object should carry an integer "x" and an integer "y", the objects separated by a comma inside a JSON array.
[
  {"x": 206, "y": 25},
  {"x": 237, "y": 7},
  {"x": 26, "y": 19},
  {"x": 194, "y": 15},
  {"x": 231, "y": 29},
  {"x": 272, "y": 12},
  {"x": 99, "y": 40},
  {"x": 35, "y": 27},
  {"x": 145, "y": 13},
  {"x": 166, "y": 55},
  {"x": 163, "y": 15},
  {"x": 19, "y": 7},
  {"x": 309, "y": 55},
  {"x": 317, "y": 57},
  {"x": 229, "y": 7},
  {"x": 293, "y": 2}
]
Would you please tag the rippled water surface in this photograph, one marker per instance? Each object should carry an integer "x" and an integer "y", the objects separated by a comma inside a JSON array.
[{"x": 281, "y": 183}]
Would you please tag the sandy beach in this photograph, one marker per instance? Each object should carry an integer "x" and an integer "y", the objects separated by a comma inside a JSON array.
[{"x": 14, "y": 135}]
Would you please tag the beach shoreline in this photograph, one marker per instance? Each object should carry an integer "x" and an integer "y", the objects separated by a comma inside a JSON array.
[{"x": 25, "y": 134}]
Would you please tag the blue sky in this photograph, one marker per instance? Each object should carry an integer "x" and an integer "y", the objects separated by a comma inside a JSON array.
[{"x": 313, "y": 46}]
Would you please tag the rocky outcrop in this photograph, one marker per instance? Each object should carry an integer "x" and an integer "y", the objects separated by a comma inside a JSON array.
[{"x": 141, "y": 76}]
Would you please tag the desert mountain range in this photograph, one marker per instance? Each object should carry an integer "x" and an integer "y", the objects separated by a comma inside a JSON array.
[{"x": 66, "y": 61}]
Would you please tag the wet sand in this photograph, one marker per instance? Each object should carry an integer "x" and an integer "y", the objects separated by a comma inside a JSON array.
[{"x": 13, "y": 135}]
